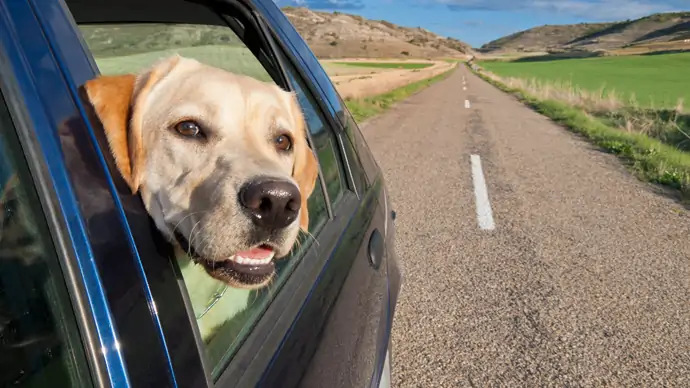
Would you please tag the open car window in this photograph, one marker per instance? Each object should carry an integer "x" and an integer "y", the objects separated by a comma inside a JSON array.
[
  {"x": 224, "y": 315},
  {"x": 131, "y": 47}
]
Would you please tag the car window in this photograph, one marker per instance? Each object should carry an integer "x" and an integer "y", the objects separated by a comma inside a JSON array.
[
  {"x": 356, "y": 154},
  {"x": 39, "y": 342},
  {"x": 224, "y": 315},
  {"x": 129, "y": 48},
  {"x": 323, "y": 138}
]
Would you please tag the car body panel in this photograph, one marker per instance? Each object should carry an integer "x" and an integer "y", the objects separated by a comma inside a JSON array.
[{"x": 289, "y": 36}]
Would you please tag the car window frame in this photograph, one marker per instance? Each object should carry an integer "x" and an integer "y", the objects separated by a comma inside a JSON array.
[
  {"x": 252, "y": 373},
  {"x": 311, "y": 262},
  {"x": 321, "y": 87},
  {"x": 274, "y": 325},
  {"x": 28, "y": 114},
  {"x": 331, "y": 134},
  {"x": 73, "y": 68}
]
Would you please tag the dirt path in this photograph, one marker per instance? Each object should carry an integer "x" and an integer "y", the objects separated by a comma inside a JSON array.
[
  {"x": 584, "y": 281},
  {"x": 366, "y": 82}
]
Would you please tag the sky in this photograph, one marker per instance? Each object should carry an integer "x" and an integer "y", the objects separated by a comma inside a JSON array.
[{"x": 480, "y": 21}]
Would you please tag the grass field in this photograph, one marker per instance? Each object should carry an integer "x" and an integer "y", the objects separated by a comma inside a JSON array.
[
  {"x": 654, "y": 142},
  {"x": 658, "y": 81},
  {"x": 233, "y": 58},
  {"x": 388, "y": 65}
]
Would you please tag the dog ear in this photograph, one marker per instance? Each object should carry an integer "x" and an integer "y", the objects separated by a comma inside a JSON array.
[
  {"x": 306, "y": 168},
  {"x": 117, "y": 102},
  {"x": 111, "y": 98}
]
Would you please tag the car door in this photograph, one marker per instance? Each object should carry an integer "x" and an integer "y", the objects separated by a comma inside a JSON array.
[
  {"x": 357, "y": 306},
  {"x": 127, "y": 343},
  {"x": 74, "y": 232},
  {"x": 274, "y": 338}
]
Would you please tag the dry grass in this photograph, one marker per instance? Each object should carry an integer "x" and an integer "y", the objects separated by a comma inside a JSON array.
[
  {"x": 364, "y": 108},
  {"x": 655, "y": 142},
  {"x": 601, "y": 101},
  {"x": 671, "y": 126},
  {"x": 653, "y": 47},
  {"x": 357, "y": 86}
]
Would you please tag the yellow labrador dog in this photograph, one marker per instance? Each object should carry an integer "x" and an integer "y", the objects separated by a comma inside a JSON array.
[{"x": 220, "y": 160}]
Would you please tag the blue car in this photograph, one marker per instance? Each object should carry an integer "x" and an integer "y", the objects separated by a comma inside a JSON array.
[{"x": 90, "y": 292}]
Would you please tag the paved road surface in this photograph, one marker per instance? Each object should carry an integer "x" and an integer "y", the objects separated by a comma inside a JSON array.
[{"x": 585, "y": 280}]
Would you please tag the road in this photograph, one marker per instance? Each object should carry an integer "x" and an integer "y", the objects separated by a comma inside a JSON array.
[{"x": 584, "y": 279}]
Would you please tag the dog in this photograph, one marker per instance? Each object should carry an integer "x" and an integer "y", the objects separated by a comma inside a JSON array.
[{"x": 220, "y": 160}]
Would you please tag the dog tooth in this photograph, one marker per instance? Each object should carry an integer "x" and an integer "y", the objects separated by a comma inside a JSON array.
[{"x": 249, "y": 261}]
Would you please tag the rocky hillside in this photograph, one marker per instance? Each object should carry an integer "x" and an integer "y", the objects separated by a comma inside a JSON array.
[
  {"x": 664, "y": 28},
  {"x": 340, "y": 35},
  {"x": 543, "y": 38}
]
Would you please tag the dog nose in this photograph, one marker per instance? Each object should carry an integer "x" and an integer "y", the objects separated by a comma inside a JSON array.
[{"x": 272, "y": 203}]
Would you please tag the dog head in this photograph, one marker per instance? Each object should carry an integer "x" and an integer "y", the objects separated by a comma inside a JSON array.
[{"x": 220, "y": 160}]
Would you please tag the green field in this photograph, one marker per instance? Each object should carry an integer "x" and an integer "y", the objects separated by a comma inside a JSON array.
[
  {"x": 387, "y": 65},
  {"x": 232, "y": 58},
  {"x": 655, "y": 80},
  {"x": 129, "y": 48}
]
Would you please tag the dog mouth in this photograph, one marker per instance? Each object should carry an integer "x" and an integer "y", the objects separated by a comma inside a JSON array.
[{"x": 247, "y": 268}]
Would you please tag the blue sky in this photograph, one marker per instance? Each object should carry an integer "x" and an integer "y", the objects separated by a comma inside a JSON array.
[{"x": 479, "y": 21}]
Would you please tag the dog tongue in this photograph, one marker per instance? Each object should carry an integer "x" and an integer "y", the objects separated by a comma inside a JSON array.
[{"x": 256, "y": 253}]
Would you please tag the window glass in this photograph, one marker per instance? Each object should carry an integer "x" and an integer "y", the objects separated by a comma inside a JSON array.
[
  {"x": 323, "y": 138},
  {"x": 359, "y": 173},
  {"x": 224, "y": 315},
  {"x": 39, "y": 342}
]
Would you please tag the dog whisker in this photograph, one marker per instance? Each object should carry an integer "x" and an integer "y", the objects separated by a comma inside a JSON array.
[
  {"x": 174, "y": 229},
  {"x": 191, "y": 238}
]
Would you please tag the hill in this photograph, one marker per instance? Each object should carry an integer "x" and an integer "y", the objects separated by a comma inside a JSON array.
[
  {"x": 662, "y": 31},
  {"x": 340, "y": 35},
  {"x": 330, "y": 35},
  {"x": 543, "y": 38}
]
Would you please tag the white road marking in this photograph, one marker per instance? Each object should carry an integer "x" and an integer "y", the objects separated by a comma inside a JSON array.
[
  {"x": 485, "y": 216},
  {"x": 467, "y": 104},
  {"x": 464, "y": 88}
]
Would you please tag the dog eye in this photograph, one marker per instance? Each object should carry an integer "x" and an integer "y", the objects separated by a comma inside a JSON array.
[
  {"x": 188, "y": 128},
  {"x": 283, "y": 143}
]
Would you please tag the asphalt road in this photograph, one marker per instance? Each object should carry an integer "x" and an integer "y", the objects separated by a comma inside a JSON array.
[{"x": 584, "y": 281}]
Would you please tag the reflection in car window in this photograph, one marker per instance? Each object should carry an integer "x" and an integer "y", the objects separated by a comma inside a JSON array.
[
  {"x": 324, "y": 140},
  {"x": 39, "y": 342},
  {"x": 361, "y": 159},
  {"x": 224, "y": 315}
]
